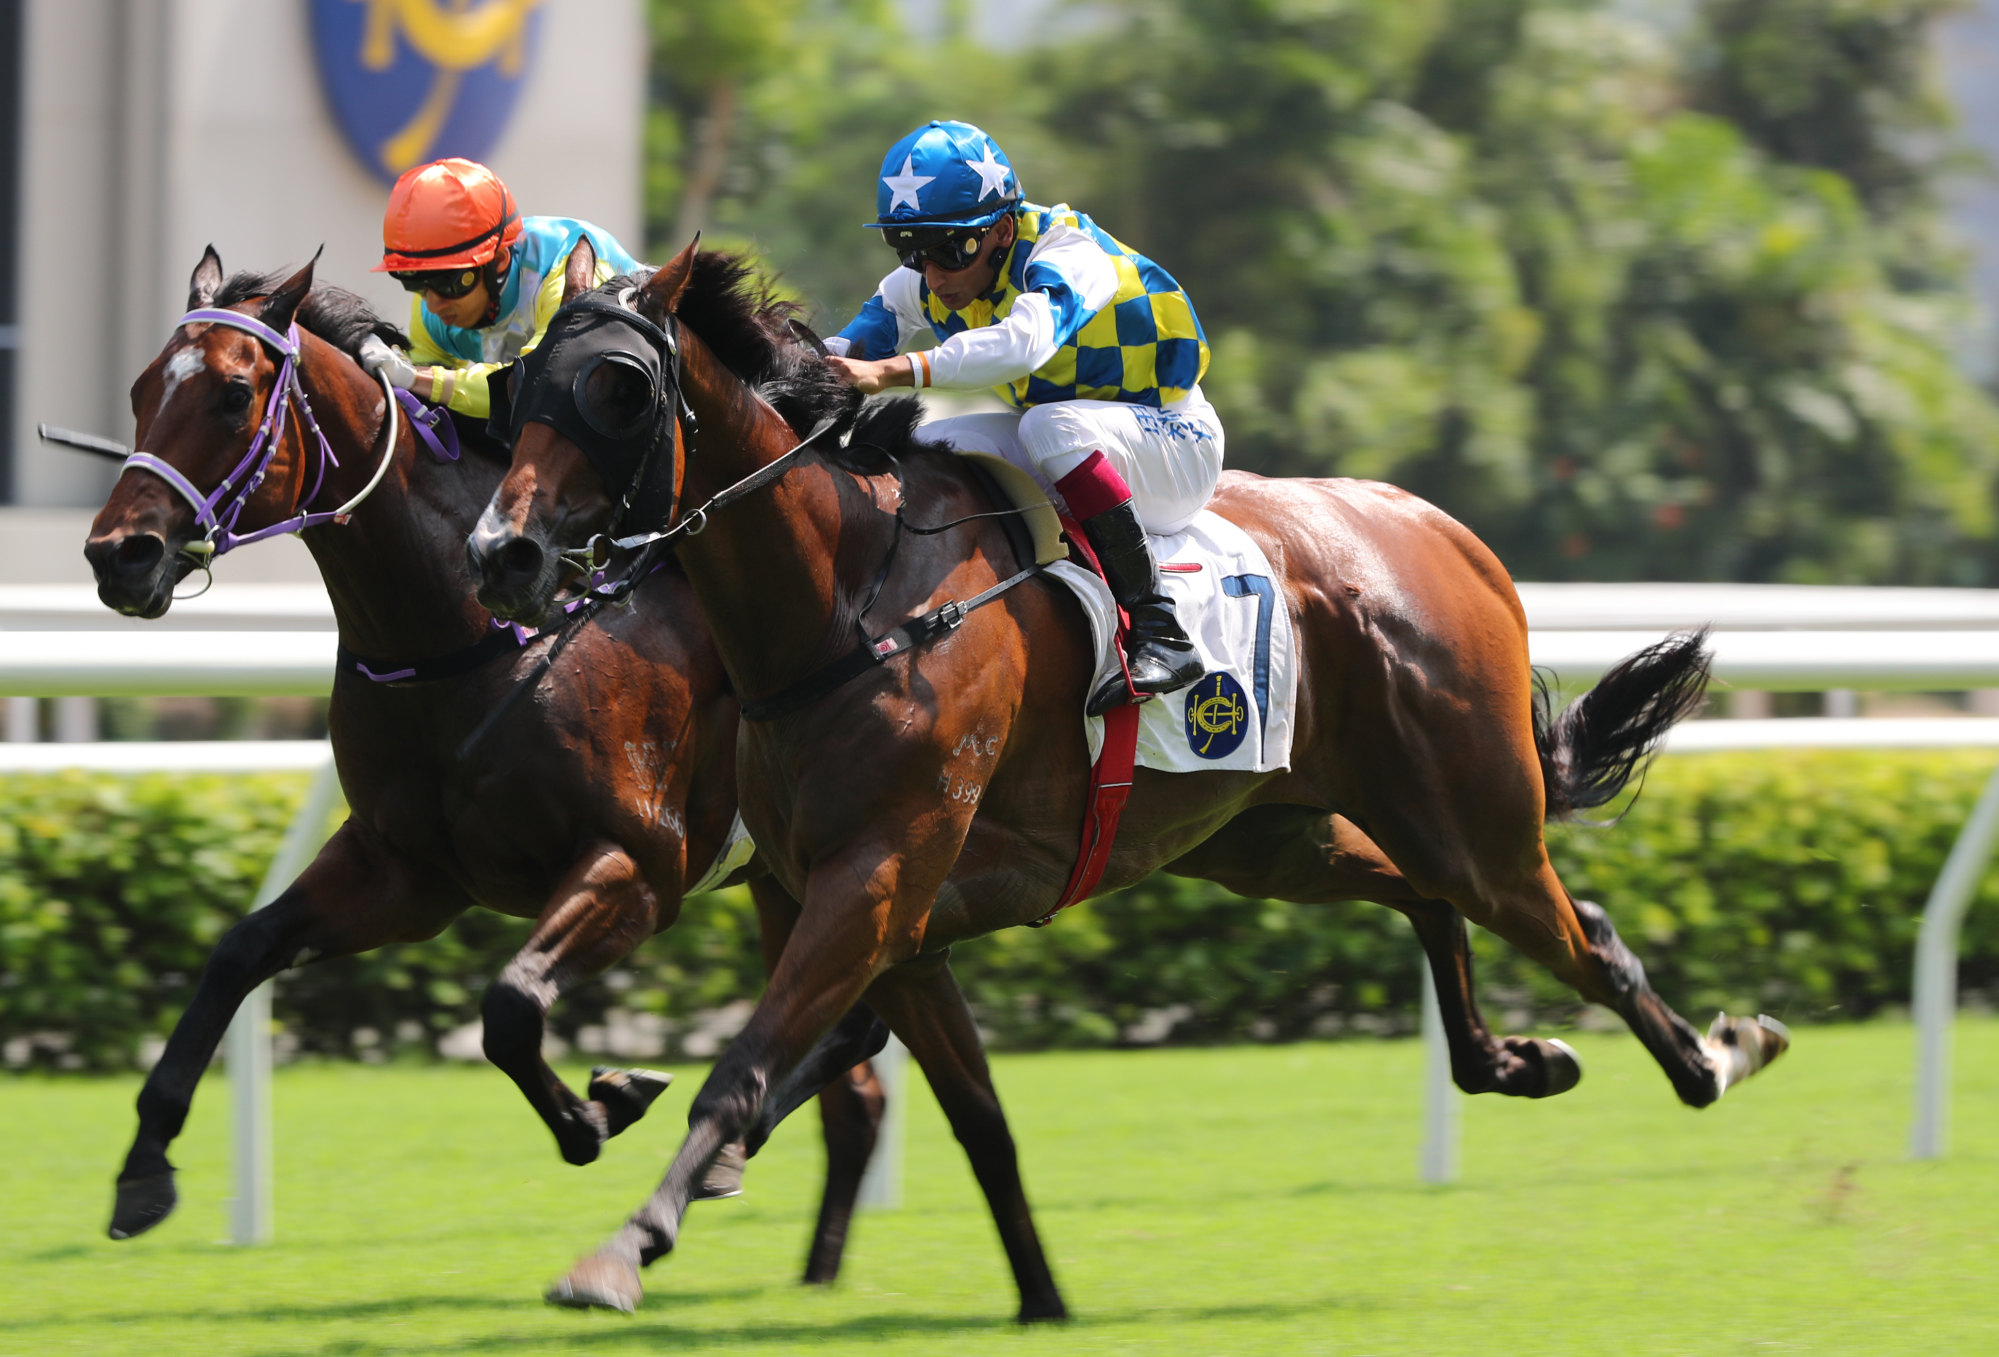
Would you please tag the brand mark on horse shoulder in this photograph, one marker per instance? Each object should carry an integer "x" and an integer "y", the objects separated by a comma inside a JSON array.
[
  {"x": 974, "y": 745},
  {"x": 959, "y": 788}
]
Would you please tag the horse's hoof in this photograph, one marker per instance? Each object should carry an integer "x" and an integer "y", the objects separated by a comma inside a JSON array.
[
  {"x": 724, "y": 1177},
  {"x": 1739, "y": 1047},
  {"x": 603, "y": 1281},
  {"x": 1557, "y": 1067},
  {"x": 625, "y": 1094},
  {"x": 1045, "y": 1310},
  {"x": 141, "y": 1204}
]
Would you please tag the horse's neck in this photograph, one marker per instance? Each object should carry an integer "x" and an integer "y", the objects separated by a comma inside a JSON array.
[
  {"x": 396, "y": 570},
  {"x": 766, "y": 567}
]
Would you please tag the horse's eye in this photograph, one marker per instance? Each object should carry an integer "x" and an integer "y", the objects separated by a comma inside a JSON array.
[{"x": 236, "y": 397}]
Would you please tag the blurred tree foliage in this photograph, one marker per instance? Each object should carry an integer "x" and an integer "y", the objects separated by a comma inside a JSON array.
[{"x": 1634, "y": 300}]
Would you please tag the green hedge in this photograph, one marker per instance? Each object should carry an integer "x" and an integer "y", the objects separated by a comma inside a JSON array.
[{"x": 1789, "y": 883}]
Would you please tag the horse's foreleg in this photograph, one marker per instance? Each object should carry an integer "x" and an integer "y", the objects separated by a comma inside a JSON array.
[
  {"x": 923, "y": 1003},
  {"x": 850, "y": 1100},
  {"x": 600, "y": 912},
  {"x": 832, "y": 954},
  {"x": 350, "y": 899}
]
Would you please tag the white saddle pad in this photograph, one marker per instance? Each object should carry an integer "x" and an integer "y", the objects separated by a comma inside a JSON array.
[{"x": 1239, "y": 716}]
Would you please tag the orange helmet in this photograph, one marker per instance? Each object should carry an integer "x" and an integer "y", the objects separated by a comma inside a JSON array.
[{"x": 446, "y": 214}]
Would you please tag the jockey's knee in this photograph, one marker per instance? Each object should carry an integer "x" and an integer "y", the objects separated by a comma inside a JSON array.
[{"x": 1059, "y": 437}]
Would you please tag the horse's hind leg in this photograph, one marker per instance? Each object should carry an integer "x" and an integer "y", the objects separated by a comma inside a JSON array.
[
  {"x": 351, "y": 899},
  {"x": 1461, "y": 817},
  {"x": 850, "y": 1115},
  {"x": 1306, "y": 856},
  {"x": 600, "y": 912}
]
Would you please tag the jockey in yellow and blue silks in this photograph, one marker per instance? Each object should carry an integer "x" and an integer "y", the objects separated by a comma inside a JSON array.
[
  {"x": 1095, "y": 346},
  {"x": 485, "y": 279}
]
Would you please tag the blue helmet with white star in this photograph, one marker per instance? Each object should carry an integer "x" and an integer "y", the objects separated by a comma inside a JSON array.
[{"x": 945, "y": 174}]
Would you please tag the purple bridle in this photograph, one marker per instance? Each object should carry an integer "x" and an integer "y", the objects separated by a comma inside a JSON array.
[{"x": 217, "y": 513}]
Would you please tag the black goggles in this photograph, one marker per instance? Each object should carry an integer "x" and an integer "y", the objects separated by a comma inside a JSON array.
[
  {"x": 951, "y": 248},
  {"x": 450, "y": 284}
]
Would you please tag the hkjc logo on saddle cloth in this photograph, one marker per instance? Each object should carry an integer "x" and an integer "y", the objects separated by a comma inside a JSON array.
[
  {"x": 1217, "y": 716},
  {"x": 413, "y": 81}
]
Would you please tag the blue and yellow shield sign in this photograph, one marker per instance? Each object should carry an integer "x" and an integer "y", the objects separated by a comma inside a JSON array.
[{"x": 412, "y": 81}]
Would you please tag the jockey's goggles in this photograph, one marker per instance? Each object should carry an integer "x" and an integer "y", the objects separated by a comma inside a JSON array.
[
  {"x": 951, "y": 248},
  {"x": 449, "y": 284}
]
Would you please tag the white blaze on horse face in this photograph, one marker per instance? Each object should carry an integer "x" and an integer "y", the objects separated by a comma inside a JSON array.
[{"x": 180, "y": 367}]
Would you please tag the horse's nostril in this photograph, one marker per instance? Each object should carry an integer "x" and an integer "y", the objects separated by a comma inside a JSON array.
[
  {"x": 139, "y": 553},
  {"x": 519, "y": 559}
]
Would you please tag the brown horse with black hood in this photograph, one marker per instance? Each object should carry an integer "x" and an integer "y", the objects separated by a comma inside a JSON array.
[{"x": 1421, "y": 772}]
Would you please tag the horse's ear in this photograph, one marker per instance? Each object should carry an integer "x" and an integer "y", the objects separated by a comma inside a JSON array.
[
  {"x": 207, "y": 280},
  {"x": 581, "y": 274},
  {"x": 281, "y": 306},
  {"x": 660, "y": 297}
]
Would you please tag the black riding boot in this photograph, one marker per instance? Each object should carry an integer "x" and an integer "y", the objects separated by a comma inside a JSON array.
[{"x": 1158, "y": 651}]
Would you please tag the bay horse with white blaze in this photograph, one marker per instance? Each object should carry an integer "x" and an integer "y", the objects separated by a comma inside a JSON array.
[
  {"x": 1421, "y": 773},
  {"x": 587, "y": 806}
]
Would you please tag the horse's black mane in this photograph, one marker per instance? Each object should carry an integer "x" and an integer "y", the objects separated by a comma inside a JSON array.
[
  {"x": 732, "y": 308},
  {"x": 338, "y": 316}
]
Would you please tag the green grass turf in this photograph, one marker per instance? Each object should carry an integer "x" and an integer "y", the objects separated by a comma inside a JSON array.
[{"x": 1247, "y": 1200}]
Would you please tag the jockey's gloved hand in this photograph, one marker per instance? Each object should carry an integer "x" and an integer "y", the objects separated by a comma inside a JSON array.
[{"x": 378, "y": 357}]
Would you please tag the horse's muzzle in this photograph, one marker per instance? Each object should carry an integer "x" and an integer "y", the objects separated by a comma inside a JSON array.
[
  {"x": 135, "y": 572},
  {"x": 516, "y": 575}
]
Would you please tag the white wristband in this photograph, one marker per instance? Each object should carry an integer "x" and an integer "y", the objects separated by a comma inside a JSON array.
[{"x": 919, "y": 369}]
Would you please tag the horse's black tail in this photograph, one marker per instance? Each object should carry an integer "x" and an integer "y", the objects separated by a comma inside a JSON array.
[{"x": 1598, "y": 743}]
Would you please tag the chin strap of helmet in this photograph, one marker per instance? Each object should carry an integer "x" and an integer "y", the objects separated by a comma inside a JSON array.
[{"x": 496, "y": 279}]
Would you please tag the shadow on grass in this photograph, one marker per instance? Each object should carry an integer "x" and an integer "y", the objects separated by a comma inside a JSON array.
[
  {"x": 585, "y": 1333},
  {"x": 662, "y": 1329},
  {"x": 384, "y": 1308},
  {"x": 61, "y": 1253}
]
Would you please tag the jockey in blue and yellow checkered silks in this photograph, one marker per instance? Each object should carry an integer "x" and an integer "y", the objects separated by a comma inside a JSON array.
[
  {"x": 1095, "y": 347},
  {"x": 1144, "y": 348}
]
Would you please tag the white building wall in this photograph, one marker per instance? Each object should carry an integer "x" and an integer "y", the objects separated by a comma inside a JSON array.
[{"x": 152, "y": 128}]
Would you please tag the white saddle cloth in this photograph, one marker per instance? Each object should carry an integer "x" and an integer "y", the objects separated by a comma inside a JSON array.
[{"x": 1238, "y": 717}]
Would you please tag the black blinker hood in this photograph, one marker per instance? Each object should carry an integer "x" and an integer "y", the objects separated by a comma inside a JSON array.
[{"x": 547, "y": 385}]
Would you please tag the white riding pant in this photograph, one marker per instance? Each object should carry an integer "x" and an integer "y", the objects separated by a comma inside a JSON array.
[{"x": 1170, "y": 458}]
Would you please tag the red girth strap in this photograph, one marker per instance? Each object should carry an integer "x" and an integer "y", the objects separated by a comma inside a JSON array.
[
  {"x": 1110, "y": 779},
  {"x": 1110, "y": 788}
]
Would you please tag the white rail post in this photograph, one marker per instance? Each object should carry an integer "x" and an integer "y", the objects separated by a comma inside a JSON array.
[
  {"x": 881, "y": 1184},
  {"x": 1936, "y": 970},
  {"x": 249, "y": 1057},
  {"x": 1438, "y": 1160}
]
